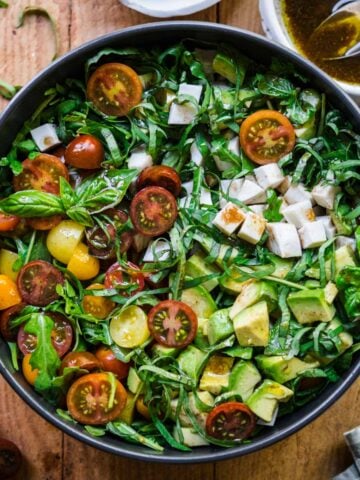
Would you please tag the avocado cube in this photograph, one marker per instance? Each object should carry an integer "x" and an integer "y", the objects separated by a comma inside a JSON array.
[
  {"x": 200, "y": 300},
  {"x": 220, "y": 326},
  {"x": 191, "y": 361},
  {"x": 282, "y": 370},
  {"x": 254, "y": 291},
  {"x": 343, "y": 340},
  {"x": 244, "y": 376},
  {"x": 196, "y": 267},
  {"x": 134, "y": 382},
  {"x": 252, "y": 326},
  {"x": 226, "y": 66},
  {"x": 201, "y": 337},
  {"x": 265, "y": 399},
  {"x": 310, "y": 306},
  {"x": 158, "y": 350},
  {"x": 344, "y": 256},
  {"x": 189, "y": 437},
  {"x": 128, "y": 413},
  {"x": 216, "y": 374},
  {"x": 204, "y": 397},
  {"x": 230, "y": 281}
]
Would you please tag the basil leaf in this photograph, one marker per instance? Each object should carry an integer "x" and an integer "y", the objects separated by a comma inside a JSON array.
[{"x": 32, "y": 203}]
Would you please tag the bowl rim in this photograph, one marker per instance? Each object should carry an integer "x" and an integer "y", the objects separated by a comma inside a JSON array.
[
  {"x": 115, "y": 445},
  {"x": 196, "y": 6}
]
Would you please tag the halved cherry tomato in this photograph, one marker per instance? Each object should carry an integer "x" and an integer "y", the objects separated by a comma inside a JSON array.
[
  {"x": 110, "y": 363},
  {"x": 172, "y": 323},
  {"x": 59, "y": 152},
  {"x": 84, "y": 360},
  {"x": 8, "y": 222},
  {"x": 43, "y": 173},
  {"x": 61, "y": 336},
  {"x": 9, "y": 334},
  {"x": 160, "y": 176},
  {"x": 129, "y": 280},
  {"x": 85, "y": 151},
  {"x": 114, "y": 89},
  {"x": 129, "y": 328},
  {"x": 46, "y": 223},
  {"x": 83, "y": 265},
  {"x": 266, "y": 136},
  {"x": 62, "y": 240},
  {"x": 9, "y": 292},
  {"x": 153, "y": 211},
  {"x": 37, "y": 282},
  {"x": 232, "y": 421},
  {"x": 142, "y": 408},
  {"x": 10, "y": 459},
  {"x": 99, "y": 307},
  {"x": 29, "y": 372},
  {"x": 90, "y": 401}
]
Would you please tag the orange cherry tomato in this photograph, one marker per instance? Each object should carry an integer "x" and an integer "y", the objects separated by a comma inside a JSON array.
[
  {"x": 46, "y": 223},
  {"x": 84, "y": 360},
  {"x": 8, "y": 332},
  {"x": 160, "y": 176},
  {"x": 29, "y": 372},
  {"x": 85, "y": 151},
  {"x": 9, "y": 293},
  {"x": 114, "y": 89},
  {"x": 266, "y": 136},
  {"x": 42, "y": 173},
  {"x": 110, "y": 363},
  {"x": 8, "y": 222},
  {"x": 142, "y": 408},
  {"x": 89, "y": 399},
  {"x": 232, "y": 421},
  {"x": 99, "y": 307}
]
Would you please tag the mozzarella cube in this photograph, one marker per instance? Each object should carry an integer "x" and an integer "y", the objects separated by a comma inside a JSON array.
[
  {"x": 342, "y": 241},
  {"x": 251, "y": 178},
  {"x": 269, "y": 176},
  {"x": 284, "y": 205},
  {"x": 297, "y": 193},
  {"x": 188, "y": 186},
  {"x": 283, "y": 240},
  {"x": 234, "y": 146},
  {"x": 184, "y": 114},
  {"x": 140, "y": 159},
  {"x": 45, "y": 137},
  {"x": 284, "y": 185},
  {"x": 330, "y": 230},
  {"x": 195, "y": 155},
  {"x": 229, "y": 218},
  {"x": 231, "y": 188},
  {"x": 251, "y": 192},
  {"x": 252, "y": 228},
  {"x": 324, "y": 195},
  {"x": 205, "y": 197},
  {"x": 184, "y": 202},
  {"x": 299, "y": 213},
  {"x": 222, "y": 165},
  {"x": 259, "y": 209},
  {"x": 157, "y": 251},
  {"x": 312, "y": 235}
]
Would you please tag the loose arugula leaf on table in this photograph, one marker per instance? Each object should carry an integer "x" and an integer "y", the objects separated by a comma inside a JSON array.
[{"x": 8, "y": 91}]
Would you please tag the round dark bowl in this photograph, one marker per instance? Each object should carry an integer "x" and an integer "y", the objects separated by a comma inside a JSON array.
[{"x": 70, "y": 65}]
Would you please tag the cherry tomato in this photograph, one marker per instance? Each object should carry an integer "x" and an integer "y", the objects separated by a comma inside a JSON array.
[
  {"x": 266, "y": 136},
  {"x": 61, "y": 336},
  {"x": 83, "y": 360},
  {"x": 110, "y": 363},
  {"x": 118, "y": 276},
  {"x": 172, "y": 323},
  {"x": 99, "y": 307},
  {"x": 83, "y": 265},
  {"x": 232, "y": 421},
  {"x": 37, "y": 282},
  {"x": 160, "y": 176},
  {"x": 29, "y": 372},
  {"x": 85, "y": 151},
  {"x": 9, "y": 293},
  {"x": 46, "y": 223},
  {"x": 142, "y": 408},
  {"x": 59, "y": 152},
  {"x": 42, "y": 173},
  {"x": 89, "y": 399},
  {"x": 8, "y": 261},
  {"x": 62, "y": 240},
  {"x": 10, "y": 459},
  {"x": 8, "y": 222},
  {"x": 114, "y": 89},
  {"x": 129, "y": 328},
  {"x": 153, "y": 211},
  {"x": 8, "y": 333}
]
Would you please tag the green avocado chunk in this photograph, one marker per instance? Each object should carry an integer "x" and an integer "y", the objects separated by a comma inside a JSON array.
[
  {"x": 310, "y": 306},
  {"x": 220, "y": 326},
  {"x": 196, "y": 267},
  {"x": 344, "y": 256},
  {"x": 252, "y": 326},
  {"x": 282, "y": 370},
  {"x": 265, "y": 399},
  {"x": 244, "y": 376},
  {"x": 216, "y": 374},
  {"x": 225, "y": 66},
  {"x": 200, "y": 300},
  {"x": 254, "y": 291},
  {"x": 191, "y": 361}
]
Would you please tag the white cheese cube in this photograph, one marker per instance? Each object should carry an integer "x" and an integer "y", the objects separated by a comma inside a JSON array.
[
  {"x": 251, "y": 193},
  {"x": 299, "y": 213},
  {"x": 195, "y": 155},
  {"x": 251, "y": 178},
  {"x": 324, "y": 195},
  {"x": 45, "y": 137},
  {"x": 188, "y": 187},
  {"x": 229, "y": 218},
  {"x": 222, "y": 165},
  {"x": 184, "y": 202},
  {"x": 140, "y": 159},
  {"x": 312, "y": 235},
  {"x": 284, "y": 205},
  {"x": 269, "y": 176},
  {"x": 234, "y": 146},
  {"x": 205, "y": 197},
  {"x": 283, "y": 240},
  {"x": 284, "y": 185},
  {"x": 342, "y": 241},
  {"x": 185, "y": 113},
  {"x": 297, "y": 193},
  {"x": 156, "y": 251},
  {"x": 272, "y": 421},
  {"x": 330, "y": 230},
  {"x": 252, "y": 229},
  {"x": 231, "y": 188},
  {"x": 259, "y": 209}
]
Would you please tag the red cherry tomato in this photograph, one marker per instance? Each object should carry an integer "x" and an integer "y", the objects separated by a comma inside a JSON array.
[
  {"x": 89, "y": 399},
  {"x": 153, "y": 211},
  {"x": 84, "y": 360},
  {"x": 266, "y": 136},
  {"x": 232, "y": 421},
  {"x": 8, "y": 222},
  {"x": 85, "y": 151},
  {"x": 46, "y": 223},
  {"x": 10, "y": 459},
  {"x": 118, "y": 276},
  {"x": 160, "y": 176},
  {"x": 114, "y": 89},
  {"x": 172, "y": 323},
  {"x": 37, "y": 282},
  {"x": 43, "y": 173},
  {"x": 110, "y": 363},
  {"x": 8, "y": 333}
]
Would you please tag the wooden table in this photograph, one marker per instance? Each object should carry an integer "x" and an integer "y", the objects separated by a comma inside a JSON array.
[{"x": 315, "y": 453}]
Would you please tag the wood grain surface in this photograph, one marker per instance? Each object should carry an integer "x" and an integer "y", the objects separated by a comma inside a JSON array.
[{"x": 316, "y": 453}]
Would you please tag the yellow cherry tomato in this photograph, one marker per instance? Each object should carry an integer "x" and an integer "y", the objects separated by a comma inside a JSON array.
[
  {"x": 99, "y": 307},
  {"x": 7, "y": 260},
  {"x": 142, "y": 408},
  {"x": 83, "y": 265},
  {"x": 29, "y": 373},
  {"x": 129, "y": 328},
  {"x": 9, "y": 293},
  {"x": 63, "y": 239}
]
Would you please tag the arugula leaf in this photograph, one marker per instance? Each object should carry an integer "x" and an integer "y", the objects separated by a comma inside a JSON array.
[
  {"x": 8, "y": 91},
  {"x": 272, "y": 212}
]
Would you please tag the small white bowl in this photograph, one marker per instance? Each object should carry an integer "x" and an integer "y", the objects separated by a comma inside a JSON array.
[
  {"x": 168, "y": 8},
  {"x": 275, "y": 29}
]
